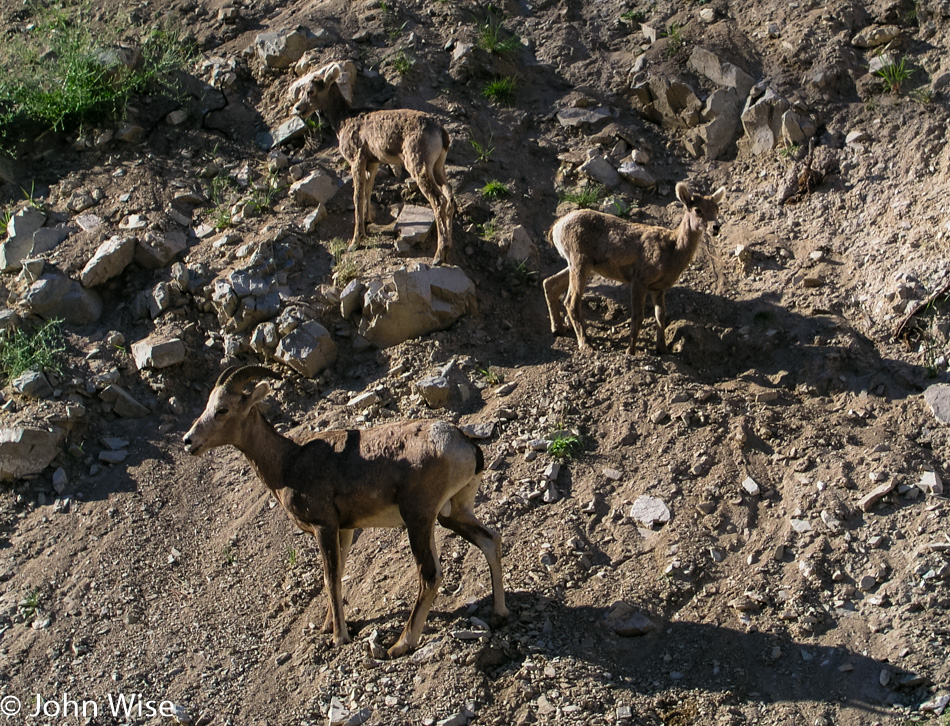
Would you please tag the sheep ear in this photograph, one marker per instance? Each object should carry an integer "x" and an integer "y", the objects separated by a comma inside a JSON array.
[
  {"x": 329, "y": 73},
  {"x": 258, "y": 394},
  {"x": 719, "y": 195},
  {"x": 684, "y": 194}
]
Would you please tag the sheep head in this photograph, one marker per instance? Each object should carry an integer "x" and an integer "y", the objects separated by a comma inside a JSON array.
[
  {"x": 225, "y": 418},
  {"x": 310, "y": 93},
  {"x": 702, "y": 211}
]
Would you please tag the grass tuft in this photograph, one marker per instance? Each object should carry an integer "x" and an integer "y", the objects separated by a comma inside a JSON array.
[
  {"x": 41, "y": 351},
  {"x": 495, "y": 190},
  {"x": 500, "y": 90}
]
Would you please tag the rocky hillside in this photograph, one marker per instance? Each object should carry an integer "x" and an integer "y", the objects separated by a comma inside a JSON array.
[{"x": 752, "y": 529}]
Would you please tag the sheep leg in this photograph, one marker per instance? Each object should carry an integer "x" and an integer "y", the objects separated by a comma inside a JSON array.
[
  {"x": 440, "y": 208},
  {"x": 465, "y": 524},
  {"x": 328, "y": 539},
  {"x": 447, "y": 200},
  {"x": 369, "y": 213},
  {"x": 638, "y": 298},
  {"x": 659, "y": 310},
  {"x": 579, "y": 274},
  {"x": 360, "y": 194},
  {"x": 422, "y": 544},
  {"x": 554, "y": 287},
  {"x": 346, "y": 541}
]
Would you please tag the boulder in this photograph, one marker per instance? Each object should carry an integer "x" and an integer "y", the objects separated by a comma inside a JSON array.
[
  {"x": 670, "y": 103},
  {"x": 414, "y": 223},
  {"x": 157, "y": 250},
  {"x": 28, "y": 451},
  {"x": 626, "y": 621},
  {"x": 436, "y": 390},
  {"x": 717, "y": 137},
  {"x": 770, "y": 120},
  {"x": 412, "y": 303},
  {"x": 875, "y": 35},
  {"x": 308, "y": 349},
  {"x": 157, "y": 352},
  {"x": 599, "y": 168},
  {"x": 57, "y": 296},
  {"x": 521, "y": 248},
  {"x": 351, "y": 299},
  {"x": 721, "y": 72},
  {"x": 314, "y": 189},
  {"x": 122, "y": 403},
  {"x": 649, "y": 511},
  {"x": 291, "y": 130},
  {"x": 283, "y": 48},
  {"x": 112, "y": 257},
  {"x": 638, "y": 174},
  {"x": 27, "y": 237},
  {"x": 937, "y": 397},
  {"x": 578, "y": 117},
  {"x": 33, "y": 384}
]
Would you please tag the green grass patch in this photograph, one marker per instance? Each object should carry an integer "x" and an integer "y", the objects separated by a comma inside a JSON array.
[
  {"x": 41, "y": 351},
  {"x": 565, "y": 445},
  {"x": 63, "y": 72},
  {"x": 894, "y": 74},
  {"x": 588, "y": 196},
  {"x": 500, "y": 90},
  {"x": 495, "y": 39},
  {"x": 495, "y": 190}
]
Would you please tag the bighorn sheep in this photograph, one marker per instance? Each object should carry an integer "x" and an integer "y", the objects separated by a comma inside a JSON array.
[
  {"x": 333, "y": 482},
  {"x": 650, "y": 259},
  {"x": 404, "y": 137}
]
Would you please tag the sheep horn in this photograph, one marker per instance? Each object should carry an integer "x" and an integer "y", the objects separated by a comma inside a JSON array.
[{"x": 234, "y": 379}]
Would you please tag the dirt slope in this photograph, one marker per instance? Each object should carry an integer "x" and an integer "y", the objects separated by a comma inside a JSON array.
[{"x": 180, "y": 579}]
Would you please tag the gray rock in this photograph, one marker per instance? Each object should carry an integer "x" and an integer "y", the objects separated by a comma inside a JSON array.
[
  {"x": 311, "y": 221},
  {"x": 112, "y": 257},
  {"x": 931, "y": 483},
  {"x": 57, "y": 296},
  {"x": 283, "y": 48},
  {"x": 265, "y": 338},
  {"x": 577, "y": 117},
  {"x": 751, "y": 486},
  {"x": 762, "y": 121},
  {"x": 33, "y": 384},
  {"x": 938, "y": 398},
  {"x": 723, "y": 126},
  {"x": 483, "y": 430},
  {"x": 28, "y": 451},
  {"x": 875, "y": 35},
  {"x": 412, "y": 303},
  {"x": 122, "y": 402},
  {"x": 649, "y": 511},
  {"x": 639, "y": 175},
  {"x": 20, "y": 238},
  {"x": 364, "y": 400},
  {"x": 867, "y": 502},
  {"x": 721, "y": 72},
  {"x": 291, "y": 130},
  {"x": 436, "y": 390},
  {"x": 157, "y": 250},
  {"x": 351, "y": 299},
  {"x": 159, "y": 299},
  {"x": 626, "y": 621},
  {"x": 599, "y": 168},
  {"x": 314, "y": 189},
  {"x": 308, "y": 349},
  {"x": 671, "y": 103},
  {"x": 414, "y": 223},
  {"x": 521, "y": 247},
  {"x": 155, "y": 352},
  {"x": 796, "y": 128}
]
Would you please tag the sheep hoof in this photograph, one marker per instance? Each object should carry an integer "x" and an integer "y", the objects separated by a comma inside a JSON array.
[
  {"x": 498, "y": 620},
  {"x": 354, "y": 245},
  {"x": 341, "y": 639},
  {"x": 400, "y": 648}
]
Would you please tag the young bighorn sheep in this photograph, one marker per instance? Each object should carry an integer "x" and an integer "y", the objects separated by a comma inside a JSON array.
[
  {"x": 403, "y": 137},
  {"x": 405, "y": 474},
  {"x": 650, "y": 259}
]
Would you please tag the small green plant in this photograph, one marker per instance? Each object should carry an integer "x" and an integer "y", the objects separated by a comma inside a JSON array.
[
  {"x": 345, "y": 271},
  {"x": 522, "y": 275},
  {"x": 633, "y": 16},
  {"x": 337, "y": 247},
  {"x": 484, "y": 151},
  {"x": 495, "y": 39},
  {"x": 67, "y": 73},
  {"x": 41, "y": 351},
  {"x": 677, "y": 42},
  {"x": 924, "y": 96},
  {"x": 500, "y": 90},
  {"x": 264, "y": 194},
  {"x": 894, "y": 74},
  {"x": 488, "y": 230},
  {"x": 588, "y": 196},
  {"x": 29, "y": 605},
  {"x": 5, "y": 222},
  {"x": 789, "y": 151},
  {"x": 291, "y": 557},
  {"x": 565, "y": 444},
  {"x": 222, "y": 195},
  {"x": 228, "y": 554},
  {"x": 402, "y": 63},
  {"x": 492, "y": 378},
  {"x": 495, "y": 190},
  {"x": 621, "y": 207}
]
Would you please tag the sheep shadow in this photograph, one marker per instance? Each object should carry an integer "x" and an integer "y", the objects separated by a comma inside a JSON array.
[
  {"x": 750, "y": 665},
  {"x": 762, "y": 340}
]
